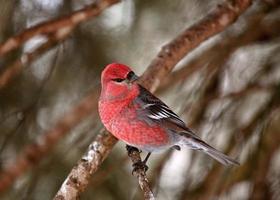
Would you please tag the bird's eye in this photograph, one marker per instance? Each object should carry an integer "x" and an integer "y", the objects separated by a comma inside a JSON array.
[{"x": 118, "y": 80}]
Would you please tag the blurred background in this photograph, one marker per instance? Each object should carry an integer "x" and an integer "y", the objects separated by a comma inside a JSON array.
[{"x": 227, "y": 90}]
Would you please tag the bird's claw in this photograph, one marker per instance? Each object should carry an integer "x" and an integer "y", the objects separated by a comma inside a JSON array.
[{"x": 140, "y": 165}]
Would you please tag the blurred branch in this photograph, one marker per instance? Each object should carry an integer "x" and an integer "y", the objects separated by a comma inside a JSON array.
[
  {"x": 27, "y": 58},
  {"x": 54, "y": 32},
  {"x": 170, "y": 54},
  {"x": 60, "y": 26},
  {"x": 209, "y": 185},
  {"x": 269, "y": 144},
  {"x": 250, "y": 88},
  {"x": 256, "y": 30},
  {"x": 259, "y": 159},
  {"x": 26, "y": 112},
  {"x": 33, "y": 153}
]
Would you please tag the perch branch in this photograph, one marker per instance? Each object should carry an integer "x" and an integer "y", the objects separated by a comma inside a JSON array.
[
  {"x": 80, "y": 175},
  {"x": 140, "y": 173}
]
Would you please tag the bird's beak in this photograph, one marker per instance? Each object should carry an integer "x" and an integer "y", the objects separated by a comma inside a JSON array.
[{"x": 132, "y": 77}]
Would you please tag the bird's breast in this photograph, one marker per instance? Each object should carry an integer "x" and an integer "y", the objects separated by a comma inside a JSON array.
[{"x": 125, "y": 124}]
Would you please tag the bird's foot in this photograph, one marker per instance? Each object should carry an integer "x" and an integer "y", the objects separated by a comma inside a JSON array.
[
  {"x": 130, "y": 149},
  {"x": 140, "y": 165}
]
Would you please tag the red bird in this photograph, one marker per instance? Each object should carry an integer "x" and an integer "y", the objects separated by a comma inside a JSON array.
[{"x": 134, "y": 115}]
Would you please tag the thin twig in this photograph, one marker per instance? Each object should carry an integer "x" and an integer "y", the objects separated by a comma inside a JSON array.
[{"x": 140, "y": 173}]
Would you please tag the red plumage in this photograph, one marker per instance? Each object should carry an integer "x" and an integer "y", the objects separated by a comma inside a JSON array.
[{"x": 132, "y": 114}]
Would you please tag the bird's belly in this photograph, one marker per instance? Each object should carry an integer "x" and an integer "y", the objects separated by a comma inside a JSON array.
[{"x": 139, "y": 134}]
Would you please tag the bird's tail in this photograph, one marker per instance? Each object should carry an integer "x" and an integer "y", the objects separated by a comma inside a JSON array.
[{"x": 197, "y": 144}]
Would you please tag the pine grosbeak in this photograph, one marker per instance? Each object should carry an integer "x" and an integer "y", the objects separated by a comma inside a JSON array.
[{"x": 134, "y": 115}]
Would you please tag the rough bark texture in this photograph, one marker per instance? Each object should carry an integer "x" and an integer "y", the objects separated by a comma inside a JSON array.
[{"x": 80, "y": 175}]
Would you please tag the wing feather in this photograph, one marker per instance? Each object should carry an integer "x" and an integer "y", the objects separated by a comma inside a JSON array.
[{"x": 152, "y": 107}]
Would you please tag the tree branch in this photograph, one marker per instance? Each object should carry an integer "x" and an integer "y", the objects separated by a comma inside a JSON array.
[
  {"x": 255, "y": 30},
  {"x": 58, "y": 26},
  {"x": 54, "y": 32},
  {"x": 170, "y": 54},
  {"x": 140, "y": 173},
  {"x": 80, "y": 175},
  {"x": 14, "y": 69}
]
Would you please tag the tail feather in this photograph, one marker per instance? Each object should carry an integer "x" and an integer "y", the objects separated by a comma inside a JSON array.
[
  {"x": 197, "y": 144},
  {"x": 219, "y": 156}
]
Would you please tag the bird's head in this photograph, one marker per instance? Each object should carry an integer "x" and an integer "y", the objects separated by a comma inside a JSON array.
[{"x": 117, "y": 80}]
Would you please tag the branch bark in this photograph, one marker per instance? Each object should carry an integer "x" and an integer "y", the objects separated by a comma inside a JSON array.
[
  {"x": 79, "y": 177},
  {"x": 140, "y": 173}
]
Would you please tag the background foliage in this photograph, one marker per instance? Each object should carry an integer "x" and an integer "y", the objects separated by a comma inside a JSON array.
[{"x": 227, "y": 90}]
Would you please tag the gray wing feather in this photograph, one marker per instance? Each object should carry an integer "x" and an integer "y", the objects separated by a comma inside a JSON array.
[{"x": 156, "y": 111}]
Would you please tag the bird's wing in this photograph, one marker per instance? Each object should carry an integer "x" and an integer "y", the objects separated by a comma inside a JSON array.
[{"x": 154, "y": 110}]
